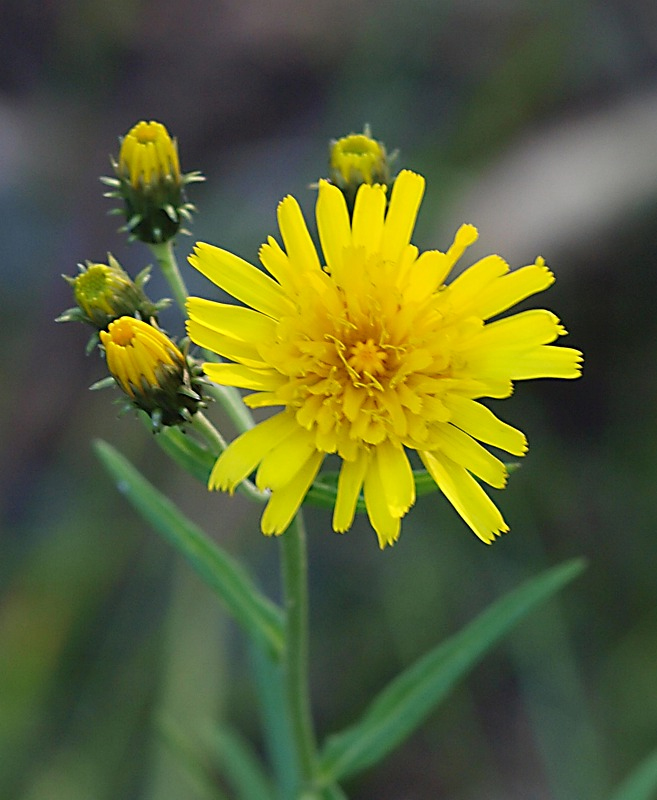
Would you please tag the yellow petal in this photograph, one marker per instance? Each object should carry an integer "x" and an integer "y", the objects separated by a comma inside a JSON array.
[
  {"x": 367, "y": 223},
  {"x": 244, "y": 377},
  {"x": 465, "y": 451},
  {"x": 480, "y": 422},
  {"x": 513, "y": 288},
  {"x": 426, "y": 275},
  {"x": 466, "y": 495},
  {"x": 275, "y": 260},
  {"x": 284, "y": 503},
  {"x": 463, "y": 293},
  {"x": 281, "y": 463},
  {"x": 298, "y": 244},
  {"x": 396, "y": 477},
  {"x": 350, "y": 482},
  {"x": 521, "y": 331},
  {"x": 405, "y": 202},
  {"x": 386, "y": 526},
  {"x": 244, "y": 454},
  {"x": 241, "y": 280},
  {"x": 240, "y": 323},
  {"x": 223, "y": 345},
  {"x": 333, "y": 224}
]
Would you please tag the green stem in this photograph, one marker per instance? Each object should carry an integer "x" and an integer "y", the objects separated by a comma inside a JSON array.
[
  {"x": 166, "y": 258},
  {"x": 295, "y": 664},
  {"x": 217, "y": 445}
]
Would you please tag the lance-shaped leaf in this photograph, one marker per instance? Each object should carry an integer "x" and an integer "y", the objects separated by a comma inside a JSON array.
[
  {"x": 221, "y": 572},
  {"x": 641, "y": 784},
  {"x": 410, "y": 697}
]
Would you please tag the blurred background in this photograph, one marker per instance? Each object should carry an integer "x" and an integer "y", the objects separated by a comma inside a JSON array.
[{"x": 537, "y": 122}]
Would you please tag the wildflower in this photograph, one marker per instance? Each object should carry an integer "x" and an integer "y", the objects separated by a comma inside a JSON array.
[
  {"x": 357, "y": 159},
  {"x": 104, "y": 292},
  {"x": 152, "y": 371},
  {"x": 150, "y": 183},
  {"x": 373, "y": 356}
]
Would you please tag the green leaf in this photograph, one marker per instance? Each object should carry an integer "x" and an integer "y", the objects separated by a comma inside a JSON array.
[
  {"x": 195, "y": 764},
  {"x": 410, "y": 697},
  {"x": 239, "y": 765},
  {"x": 641, "y": 784},
  {"x": 223, "y": 574}
]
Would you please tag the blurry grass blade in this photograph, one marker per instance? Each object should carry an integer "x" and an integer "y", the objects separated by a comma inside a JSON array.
[
  {"x": 194, "y": 764},
  {"x": 257, "y": 614},
  {"x": 641, "y": 784},
  {"x": 275, "y": 718},
  {"x": 239, "y": 765},
  {"x": 404, "y": 704}
]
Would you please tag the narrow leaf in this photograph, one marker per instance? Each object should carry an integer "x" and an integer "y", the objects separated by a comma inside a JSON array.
[
  {"x": 239, "y": 765},
  {"x": 223, "y": 574},
  {"x": 410, "y": 697},
  {"x": 641, "y": 784},
  {"x": 195, "y": 765}
]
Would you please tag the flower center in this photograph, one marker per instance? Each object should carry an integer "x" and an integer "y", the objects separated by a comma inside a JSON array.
[{"x": 367, "y": 357}]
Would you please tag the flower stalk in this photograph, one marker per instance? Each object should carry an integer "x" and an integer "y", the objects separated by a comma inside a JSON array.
[
  {"x": 296, "y": 665},
  {"x": 166, "y": 259}
]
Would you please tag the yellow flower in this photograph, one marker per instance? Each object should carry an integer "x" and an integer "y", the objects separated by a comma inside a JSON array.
[
  {"x": 148, "y": 154},
  {"x": 151, "y": 370},
  {"x": 373, "y": 356}
]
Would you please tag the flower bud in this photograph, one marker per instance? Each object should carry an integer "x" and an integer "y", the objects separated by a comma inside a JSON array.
[
  {"x": 152, "y": 371},
  {"x": 104, "y": 292},
  {"x": 357, "y": 159},
  {"x": 149, "y": 181}
]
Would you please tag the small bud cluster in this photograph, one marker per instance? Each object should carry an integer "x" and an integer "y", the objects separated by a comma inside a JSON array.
[{"x": 156, "y": 374}]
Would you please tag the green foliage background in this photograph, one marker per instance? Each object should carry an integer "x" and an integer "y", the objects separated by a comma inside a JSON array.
[{"x": 535, "y": 121}]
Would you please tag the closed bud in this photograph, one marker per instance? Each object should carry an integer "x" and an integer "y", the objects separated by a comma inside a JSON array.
[
  {"x": 104, "y": 292},
  {"x": 357, "y": 159},
  {"x": 152, "y": 371},
  {"x": 150, "y": 184}
]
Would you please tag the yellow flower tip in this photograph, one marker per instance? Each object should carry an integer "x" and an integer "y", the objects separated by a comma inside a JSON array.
[
  {"x": 358, "y": 158},
  {"x": 465, "y": 236},
  {"x": 148, "y": 154}
]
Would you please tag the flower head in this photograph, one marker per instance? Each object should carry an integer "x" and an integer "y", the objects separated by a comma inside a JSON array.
[
  {"x": 104, "y": 292},
  {"x": 149, "y": 181},
  {"x": 151, "y": 370},
  {"x": 372, "y": 356}
]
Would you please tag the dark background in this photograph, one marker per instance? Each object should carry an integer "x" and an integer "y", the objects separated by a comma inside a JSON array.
[{"x": 536, "y": 121}]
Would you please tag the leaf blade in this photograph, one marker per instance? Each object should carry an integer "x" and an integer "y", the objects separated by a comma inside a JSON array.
[
  {"x": 409, "y": 698},
  {"x": 222, "y": 573}
]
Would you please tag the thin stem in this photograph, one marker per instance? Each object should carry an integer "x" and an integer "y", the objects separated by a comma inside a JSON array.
[
  {"x": 166, "y": 258},
  {"x": 295, "y": 664},
  {"x": 217, "y": 444},
  {"x": 231, "y": 401}
]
